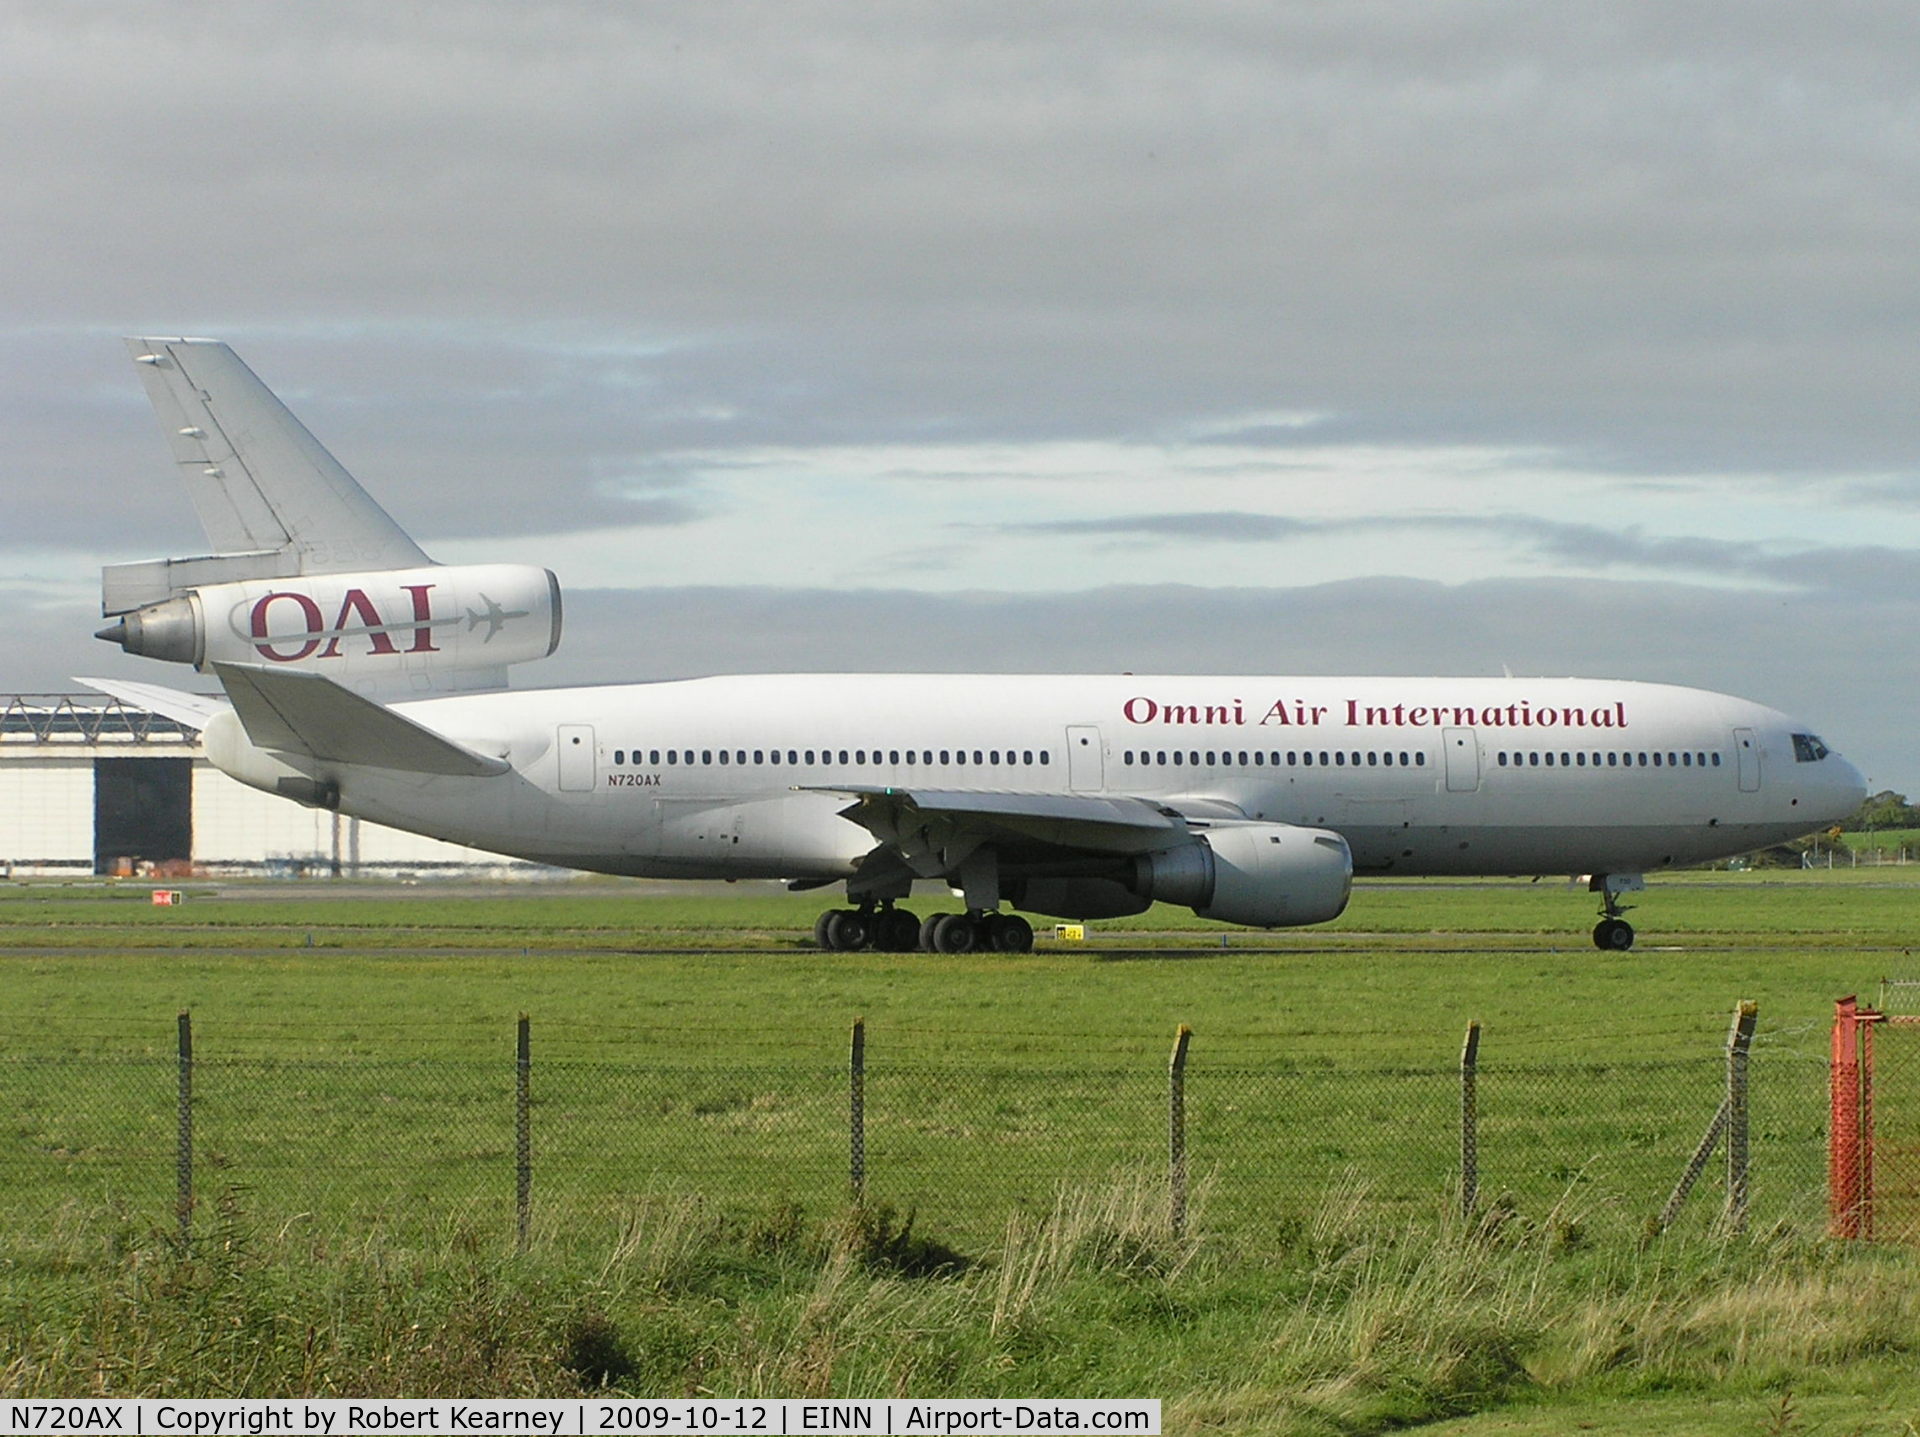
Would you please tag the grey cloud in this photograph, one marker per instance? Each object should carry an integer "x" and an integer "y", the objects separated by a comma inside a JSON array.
[
  {"x": 1633, "y": 237},
  {"x": 1590, "y": 547}
]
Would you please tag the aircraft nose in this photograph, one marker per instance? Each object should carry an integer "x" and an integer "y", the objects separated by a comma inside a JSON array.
[{"x": 1843, "y": 789}]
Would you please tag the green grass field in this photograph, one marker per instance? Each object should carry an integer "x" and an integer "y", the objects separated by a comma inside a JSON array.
[{"x": 354, "y": 1154}]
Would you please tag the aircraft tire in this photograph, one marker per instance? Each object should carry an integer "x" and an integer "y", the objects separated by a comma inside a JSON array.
[
  {"x": 823, "y": 931},
  {"x": 847, "y": 931},
  {"x": 955, "y": 933},
  {"x": 896, "y": 931},
  {"x": 1613, "y": 935},
  {"x": 1012, "y": 934},
  {"x": 927, "y": 927}
]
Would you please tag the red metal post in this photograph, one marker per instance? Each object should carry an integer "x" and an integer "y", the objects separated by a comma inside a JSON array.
[{"x": 1850, "y": 1127}]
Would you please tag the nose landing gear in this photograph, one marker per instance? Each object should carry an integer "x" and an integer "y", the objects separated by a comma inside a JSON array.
[{"x": 1613, "y": 933}]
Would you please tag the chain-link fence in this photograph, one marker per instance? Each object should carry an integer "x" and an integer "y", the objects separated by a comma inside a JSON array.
[{"x": 1245, "y": 1154}]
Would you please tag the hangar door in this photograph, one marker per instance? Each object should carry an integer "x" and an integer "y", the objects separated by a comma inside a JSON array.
[{"x": 142, "y": 811}]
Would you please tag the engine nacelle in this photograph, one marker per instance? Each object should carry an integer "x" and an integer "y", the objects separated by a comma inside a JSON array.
[
  {"x": 1259, "y": 875},
  {"x": 1077, "y": 897},
  {"x": 435, "y": 627}
]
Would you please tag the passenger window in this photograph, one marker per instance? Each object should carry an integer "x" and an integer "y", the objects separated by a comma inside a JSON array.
[
  {"x": 809, "y": 755},
  {"x": 943, "y": 756},
  {"x": 706, "y": 756},
  {"x": 653, "y": 756},
  {"x": 976, "y": 755},
  {"x": 1176, "y": 758},
  {"x": 1259, "y": 759},
  {"x": 723, "y": 755},
  {"x": 909, "y": 755},
  {"x": 1045, "y": 758},
  {"x": 619, "y": 758},
  {"x": 775, "y": 755},
  {"x": 893, "y": 755}
]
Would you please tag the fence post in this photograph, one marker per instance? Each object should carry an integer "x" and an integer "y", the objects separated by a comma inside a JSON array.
[
  {"x": 523, "y": 1132},
  {"x": 857, "y": 1113},
  {"x": 1739, "y": 1043},
  {"x": 183, "y": 1159},
  {"x": 1470, "y": 1121},
  {"x": 1177, "y": 1132}
]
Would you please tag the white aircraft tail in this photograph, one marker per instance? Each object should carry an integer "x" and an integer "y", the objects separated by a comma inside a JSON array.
[{"x": 307, "y": 572}]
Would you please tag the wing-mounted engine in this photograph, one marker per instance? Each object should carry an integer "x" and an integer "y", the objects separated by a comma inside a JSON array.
[
  {"x": 1259, "y": 875},
  {"x": 440, "y": 627}
]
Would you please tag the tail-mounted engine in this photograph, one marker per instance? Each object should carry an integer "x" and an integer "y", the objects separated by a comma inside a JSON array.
[{"x": 436, "y": 627}]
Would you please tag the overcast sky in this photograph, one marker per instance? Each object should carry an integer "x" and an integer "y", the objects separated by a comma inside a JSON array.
[{"x": 1373, "y": 337}]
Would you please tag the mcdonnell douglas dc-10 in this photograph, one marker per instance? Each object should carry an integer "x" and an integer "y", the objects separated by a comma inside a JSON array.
[{"x": 361, "y": 676}]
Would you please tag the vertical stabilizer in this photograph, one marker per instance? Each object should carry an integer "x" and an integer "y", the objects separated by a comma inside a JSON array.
[{"x": 261, "y": 484}]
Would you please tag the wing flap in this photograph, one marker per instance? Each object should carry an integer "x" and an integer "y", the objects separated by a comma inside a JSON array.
[
  {"x": 311, "y": 714},
  {"x": 1080, "y": 822}
]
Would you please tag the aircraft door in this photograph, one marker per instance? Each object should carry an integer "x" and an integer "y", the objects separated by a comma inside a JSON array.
[
  {"x": 577, "y": 759},
  {"x": 1746, "y": 752},
  {"x": 1086, "y": 766},
  {"x": 1463, "y": 760}
]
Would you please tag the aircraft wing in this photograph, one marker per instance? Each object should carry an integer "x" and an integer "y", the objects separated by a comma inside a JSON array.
[
  {"x": 192, "y": 710},
  {"x": 1018, "y": 824},
  {"x": 310, "y": 714}
]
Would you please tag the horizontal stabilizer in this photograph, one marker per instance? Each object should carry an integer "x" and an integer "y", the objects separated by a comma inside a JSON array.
[
  {"x": 191, "y": 710},
  {"x": 310, "y": 714}
]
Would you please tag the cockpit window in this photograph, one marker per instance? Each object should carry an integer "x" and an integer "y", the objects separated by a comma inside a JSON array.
[{"x": 1808, "y": 749}]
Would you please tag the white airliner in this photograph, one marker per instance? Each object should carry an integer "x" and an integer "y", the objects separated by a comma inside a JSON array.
[{"x": 362, "y": 676}]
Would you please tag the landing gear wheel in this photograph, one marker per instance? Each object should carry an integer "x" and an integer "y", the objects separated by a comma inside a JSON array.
[
  {"x": 1613, "y": 934},
  {"x": 896, "y": 931},
  {"x": 822, "y": 931},
  {"x": 846, "y": 931},
  {"x": 1012, "y": 934},
  {"x": 928, "y": 926},
  {"x": 955, "y": 933}
]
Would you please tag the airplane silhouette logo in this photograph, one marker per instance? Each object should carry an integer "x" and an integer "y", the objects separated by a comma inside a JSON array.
[{"x": 495, "y": 618}]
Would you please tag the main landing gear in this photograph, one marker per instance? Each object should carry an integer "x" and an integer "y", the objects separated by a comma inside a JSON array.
[
  {"x": 887, "y": 929},
  {"x": 1613, "y": 933}
]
